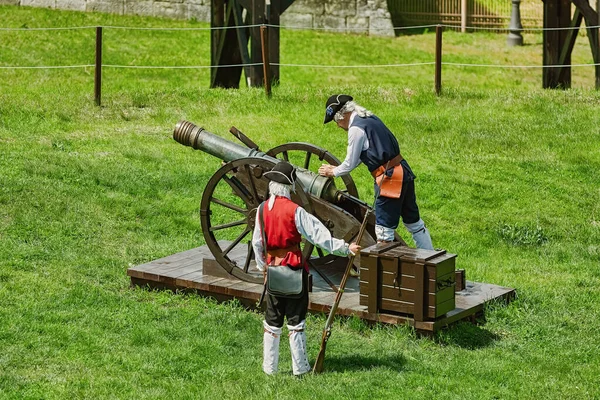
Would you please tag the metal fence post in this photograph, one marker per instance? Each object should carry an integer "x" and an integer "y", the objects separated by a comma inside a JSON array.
[
  {"x": 514, "y": 27},
  {"x": 98, "y": 67}
]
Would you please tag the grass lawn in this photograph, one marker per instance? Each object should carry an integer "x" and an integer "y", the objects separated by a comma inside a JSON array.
[{"x": 508, "y": 179}]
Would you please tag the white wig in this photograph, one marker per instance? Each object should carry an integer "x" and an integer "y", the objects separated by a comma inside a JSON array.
[
  {"x": 278, "y": 189},
  {"x": 348, "y": 108}
]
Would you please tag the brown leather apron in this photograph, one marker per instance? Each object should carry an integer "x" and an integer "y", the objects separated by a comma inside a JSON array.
[{"x": 390, "y": 186}]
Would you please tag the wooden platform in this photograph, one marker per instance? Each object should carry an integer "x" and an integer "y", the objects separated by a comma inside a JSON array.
[{"x": 185, "y": 271}]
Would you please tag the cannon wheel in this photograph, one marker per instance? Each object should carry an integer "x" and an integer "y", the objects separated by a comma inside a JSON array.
[
  {"x": 283, "y": 152},
  {"x": 228, "y": 211}
]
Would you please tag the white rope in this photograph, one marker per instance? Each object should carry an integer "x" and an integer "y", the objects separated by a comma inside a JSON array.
[
  {"x": 181, "y": 29},
  {"x": 353, "y": 66},
  {"x": 350, "y": 29},
  {"x": 178, "y": 66},
  {"x": 516, "y": 66},
  {"x": 452, "y": 64},
  {"x": 49, "y": 66},
  {"x": 522, "y": 29},
  {"x": 49, "y": 29}
]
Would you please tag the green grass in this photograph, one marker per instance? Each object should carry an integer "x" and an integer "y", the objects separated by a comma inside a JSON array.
[{"x": 508, "y": 179}]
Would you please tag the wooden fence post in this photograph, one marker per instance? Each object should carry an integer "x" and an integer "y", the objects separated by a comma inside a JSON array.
[
  {"x": 264, "y": 39},
  {"x": 438, "y": 59},
  {"x": 597, "y": 68},
  {"x": 98, "y": 68},
  {"x": 463, "y": 16}
]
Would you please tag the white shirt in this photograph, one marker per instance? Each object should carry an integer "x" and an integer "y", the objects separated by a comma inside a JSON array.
[
  {"x": 357, "y": 143},
  {"x": 310, "y": 228}
]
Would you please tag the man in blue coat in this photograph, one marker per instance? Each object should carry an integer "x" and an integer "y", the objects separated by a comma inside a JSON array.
[{"x": 373, "y": 144}]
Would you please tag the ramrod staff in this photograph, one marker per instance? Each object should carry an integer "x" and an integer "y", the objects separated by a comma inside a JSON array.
[{"x": 318, "y": 368}]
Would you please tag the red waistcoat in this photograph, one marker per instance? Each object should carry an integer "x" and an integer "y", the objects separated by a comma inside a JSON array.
[{"x": 281, "y": 232}]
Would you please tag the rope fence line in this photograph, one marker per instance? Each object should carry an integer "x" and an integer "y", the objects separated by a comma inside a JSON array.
[
  {"x": 48, "y": 29},
  {"x": 179, "y": 66},
  {"x": 48, "y": 66},
  {"x": 354, "y": 66},
  {"x": 447, "y": 63},
  {"x": 438, "y": 63},
  {"x": 517, "y": 66},
  {"x": 349, "y": 29},
  {"x": 481, "y": 28}
]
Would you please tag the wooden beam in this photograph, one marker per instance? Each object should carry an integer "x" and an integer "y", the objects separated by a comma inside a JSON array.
[
  {"x": 567, "y": 49},
  {"x": 274, "y": 19},
  {"x": 591, "y": 19},
  {"x": 217, "y": 20},
  {"x": 257, "y": 17},
  {"x": 557, "y": 14},
  {"x": 227, "y": 53},
  {"x": 283, "y": 4},
  {"x": 242, "y": 35},
  {"x": 245, "y": 3},
  {"x": 243, "y": 45}
]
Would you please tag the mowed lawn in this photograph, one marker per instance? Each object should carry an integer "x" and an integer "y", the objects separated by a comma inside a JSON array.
[{"x": 508, "y": 179}]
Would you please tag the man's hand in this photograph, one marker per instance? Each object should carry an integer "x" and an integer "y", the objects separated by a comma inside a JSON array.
[
  {"x": 354, "y": 248},
  {"x": 326, "y": 170}
]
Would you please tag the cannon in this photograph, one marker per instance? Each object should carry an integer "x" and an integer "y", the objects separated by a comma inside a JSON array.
[{"x": 233, "y": 194}]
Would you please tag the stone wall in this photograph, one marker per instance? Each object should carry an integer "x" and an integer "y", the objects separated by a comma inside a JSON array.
[{"x": 366, "y": 16}]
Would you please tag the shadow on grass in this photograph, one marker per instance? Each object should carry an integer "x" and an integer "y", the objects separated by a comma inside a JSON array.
[
  {"x": 466, "y": 335},
  {"x": 361, "y": 363}
]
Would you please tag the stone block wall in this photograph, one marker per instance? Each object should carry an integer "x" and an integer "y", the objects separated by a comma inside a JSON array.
[{"x": 363, "y": 16}]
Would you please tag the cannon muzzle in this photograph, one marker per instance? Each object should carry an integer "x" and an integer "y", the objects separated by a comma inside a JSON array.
[{"x": 198, "y": 138}]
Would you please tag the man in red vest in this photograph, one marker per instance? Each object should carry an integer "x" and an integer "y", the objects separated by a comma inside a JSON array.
[{"x": 285, "y": 224}]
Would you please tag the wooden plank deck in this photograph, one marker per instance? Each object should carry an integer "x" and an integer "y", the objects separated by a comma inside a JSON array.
[{"x": 184, "y": 271}]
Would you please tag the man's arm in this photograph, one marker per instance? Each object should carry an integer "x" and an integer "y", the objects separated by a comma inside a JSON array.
[
  {"x": 356, "y": 143},
  {"x": 257, "y": 244},
  {"x": 316, "y": 233}
]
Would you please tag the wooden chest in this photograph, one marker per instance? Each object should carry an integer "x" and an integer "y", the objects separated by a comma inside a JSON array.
[{"x": 399, "y": 279}]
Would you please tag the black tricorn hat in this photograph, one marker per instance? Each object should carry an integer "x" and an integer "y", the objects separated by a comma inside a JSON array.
[
  {"x": 283, "y": 172},
  {"x": 335, "y": 104}
]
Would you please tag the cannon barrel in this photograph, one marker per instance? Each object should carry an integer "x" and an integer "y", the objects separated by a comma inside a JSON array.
[{"x": 198, "y": 138}]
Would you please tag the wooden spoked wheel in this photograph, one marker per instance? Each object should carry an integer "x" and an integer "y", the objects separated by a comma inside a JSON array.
[
  {"x": 228, "y": 213},
  {"x": 310, "y": 157}
]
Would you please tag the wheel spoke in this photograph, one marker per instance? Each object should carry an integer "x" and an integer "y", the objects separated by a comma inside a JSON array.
[
  {"x": 228, "y": 205},
  {"x": 307, "y": 160},
  {"x": 228, "y": 225},
  {"x": 239, "y": 189},
  {"x": 236, "y": 241},
  {"x": 252, "y": 185},
  {"x": 285, "y": 156},
  {"x": 249, "y": 256}
]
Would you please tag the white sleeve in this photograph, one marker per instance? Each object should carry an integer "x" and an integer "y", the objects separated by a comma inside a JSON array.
[
  {"x": 356, "y": 142},
  {"x": 257, "y": 245},
  {"x": 316, "y": 233}
]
